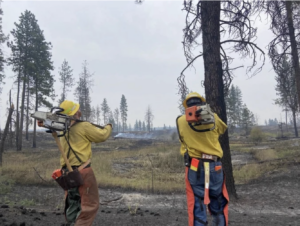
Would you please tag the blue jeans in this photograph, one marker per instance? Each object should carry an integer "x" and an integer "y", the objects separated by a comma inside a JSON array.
[{"x": 217, "y": 200}]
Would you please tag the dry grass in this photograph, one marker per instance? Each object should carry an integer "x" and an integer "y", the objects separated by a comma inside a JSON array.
[
  {"x": 249, "y": 172},
  {"x": 157, "y": 168},
  {"x": 167, "y": 168},
  {"x": 281, "y": 150},
  {"x": 264, "y": 155}
]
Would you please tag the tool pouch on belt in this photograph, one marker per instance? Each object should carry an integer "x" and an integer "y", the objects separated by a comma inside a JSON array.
[{"x": 70, "y": 180}]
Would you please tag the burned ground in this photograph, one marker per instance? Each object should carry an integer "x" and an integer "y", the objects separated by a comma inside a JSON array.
[{"x": 271, "y": 199}]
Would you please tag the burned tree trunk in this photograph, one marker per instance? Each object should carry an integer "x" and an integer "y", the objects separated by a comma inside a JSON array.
[
  {"x": 213, "y": 82},
  {"x": 20, "y": 132},
  {"x": 5, "y": 132},
  {"x": 295, "y": 123},
  {"x": 295, "y": 56}
]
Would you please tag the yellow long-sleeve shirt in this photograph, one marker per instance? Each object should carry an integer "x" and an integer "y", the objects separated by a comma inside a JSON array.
[
  {"x": 201, "y": 142},
  {"x": 80, "y": 137}
]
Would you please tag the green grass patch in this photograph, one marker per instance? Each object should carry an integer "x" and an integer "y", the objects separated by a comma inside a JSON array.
[
  {"x": 27, "y": 202},
  {"x": 6, "y": 184}
]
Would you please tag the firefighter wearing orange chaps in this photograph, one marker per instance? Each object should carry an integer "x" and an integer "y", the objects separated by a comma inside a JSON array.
[
  {"x": 204, "y": 178},
  {"x": 89, "y": 199},
  {"x": 82, "y": 203}
]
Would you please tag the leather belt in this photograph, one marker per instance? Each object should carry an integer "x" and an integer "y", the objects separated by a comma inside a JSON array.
[
  {"x": 210, "y": 157},
  {"x": 81, "y": 167},
  {"x": 84, "y": 165}
]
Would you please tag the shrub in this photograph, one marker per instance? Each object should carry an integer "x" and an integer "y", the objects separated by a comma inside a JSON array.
[{"x": 256, "y": 135}]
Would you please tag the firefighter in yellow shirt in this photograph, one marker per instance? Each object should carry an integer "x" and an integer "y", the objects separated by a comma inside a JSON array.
[
  {"x": 205, "y": 182},
  {"x": 82, "y": 203}
]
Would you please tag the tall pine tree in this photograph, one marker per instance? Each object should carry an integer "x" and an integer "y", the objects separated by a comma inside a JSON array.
[
  {"x": 286, "y": 89},
  {"x": 117, "y": 117},
  {"x": 123, "y": 111},
  {"x": 82, "y": 92},
  {"x": 3, "y": 39},
  {"x": 67, "y": 80},
  {"x": 31, "y": 61},
  {"x": 105, "y": 111}
]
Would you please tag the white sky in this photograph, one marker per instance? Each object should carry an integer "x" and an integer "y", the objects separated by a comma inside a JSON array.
[{"x": 133, "y": 50}]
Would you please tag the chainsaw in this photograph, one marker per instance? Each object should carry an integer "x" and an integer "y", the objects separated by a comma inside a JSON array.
[
  {"x": 55, "y": 121},
  {"x": 200, "y": 115}
]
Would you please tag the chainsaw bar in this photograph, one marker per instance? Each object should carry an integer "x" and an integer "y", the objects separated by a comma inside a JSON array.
[{"x": 53, "y": 121}]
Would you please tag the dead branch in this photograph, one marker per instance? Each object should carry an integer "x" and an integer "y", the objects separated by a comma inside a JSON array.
[
  {"x": 39, "y": 175},
  {"x": 236, "y": 21}
]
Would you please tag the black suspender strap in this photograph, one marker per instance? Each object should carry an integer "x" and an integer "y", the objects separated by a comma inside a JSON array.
[{"x": 70, "y": 147}]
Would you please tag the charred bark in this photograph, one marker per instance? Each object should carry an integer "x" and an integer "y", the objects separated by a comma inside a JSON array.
[
  {"x": 17, "y": 115},
  {"x": 295, "y": 124},
  {"x": 34, "y": 126},
  {"x": 5, "y": 132},
  {"x": 295, "y": 56},
  {"x": 22, "y": 115},
  {"x": 214, "y": 86},
  {"x": 27, "y": 110}
]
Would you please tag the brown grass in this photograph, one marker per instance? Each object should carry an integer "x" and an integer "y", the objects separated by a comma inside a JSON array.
[{"x": 157, "y": 168}]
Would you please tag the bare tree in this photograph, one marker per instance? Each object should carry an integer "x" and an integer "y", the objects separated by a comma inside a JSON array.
[
  {"x": 149, "y": 118},
  {"x": 216, "y": 20}
]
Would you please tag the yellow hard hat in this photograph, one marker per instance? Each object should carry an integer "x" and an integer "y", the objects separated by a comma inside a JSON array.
[
  {"x": 70, "y": 108},
  {"x": 191, "y": 95}
]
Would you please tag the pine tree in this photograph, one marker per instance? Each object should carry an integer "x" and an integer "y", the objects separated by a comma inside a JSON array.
[
  {"x": 105, "y": 111},
  {"x": 144, "y": 126},
  {"x": 3, "y": 39},
  {"x": 233, "y": 107},
  {"x": 140, "y": 125},
  {"x": 82, "y": 92},
  {"x": 93, "y": 115},
  {"x": 136, "y": 125},
  {"x": 31, "y": 61},
  {"x": 117, "y": 116},
  {"x": 247, "y": 119},
  {"x": 286, "y": 89},
  {"x": 67, "y": 80},
  {"x": 123, "y": 111},
  {"x": 149, "y": 118},
  {"x": 98, "y": 112},
  {"x": 43, "y": 80},
  {"x": 111, "y": 120}
]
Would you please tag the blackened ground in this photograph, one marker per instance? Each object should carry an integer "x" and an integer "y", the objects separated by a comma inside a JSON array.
[{"x": 272, "y": 200}]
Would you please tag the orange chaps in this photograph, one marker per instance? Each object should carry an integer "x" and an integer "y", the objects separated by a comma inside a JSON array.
[
  {"x": 89, "y": 197},
  {"x": 191, "y": 200}
]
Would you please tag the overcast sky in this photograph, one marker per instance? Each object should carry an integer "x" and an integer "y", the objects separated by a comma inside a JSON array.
[{"x": 133, "y": 50}]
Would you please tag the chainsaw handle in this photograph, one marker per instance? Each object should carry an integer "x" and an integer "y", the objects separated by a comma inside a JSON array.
[{"x": 57, "y": 108}]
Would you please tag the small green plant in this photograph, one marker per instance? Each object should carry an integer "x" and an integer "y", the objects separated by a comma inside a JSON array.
[
  {"x": 256, "y": 135},
  {"x": 27, "y": 202},
  {"x": 133, "y": 211}
]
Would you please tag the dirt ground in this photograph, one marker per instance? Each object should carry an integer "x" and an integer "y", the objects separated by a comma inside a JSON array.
[{"x": 274, "y": 199}]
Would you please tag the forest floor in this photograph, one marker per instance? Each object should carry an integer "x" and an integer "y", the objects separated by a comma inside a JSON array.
[{"x": 272, "y": 199}]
